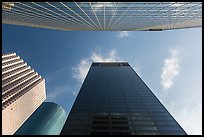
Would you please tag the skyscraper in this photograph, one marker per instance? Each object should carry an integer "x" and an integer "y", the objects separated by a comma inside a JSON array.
[
  {"x": 48, "y": 119},
  {"x": 23, "y": 91},
  {"x": 114, "y": 100},
  {"x": 117, "y": 16}
]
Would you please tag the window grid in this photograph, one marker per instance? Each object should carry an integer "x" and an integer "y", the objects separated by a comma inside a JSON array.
[
  {"x": 118, "y": 102},
  {"x": 104, "y": 15},
  {"x": 18, "y": 88},
  {"x": 18, "y": 95},
  {"x": 17, "y": 76},
  {"x": 14, "y": 72}
]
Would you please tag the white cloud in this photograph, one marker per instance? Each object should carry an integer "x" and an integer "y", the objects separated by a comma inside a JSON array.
[
  {"x": 56, "y": 92},
  {"x": 111, "y": 56},
  {"x": 81, "y": 70},
  {"x": 55, "y": 74},
  {"x": 99, "y": 5},
  {"x": 175, "y": 4},
  {"x": 188, "y": 115},
  {"x": 170, "y": 69},
  {"x": 123, "y": 34}
]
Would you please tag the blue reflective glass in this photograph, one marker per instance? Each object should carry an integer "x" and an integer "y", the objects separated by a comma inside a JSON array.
[{"x": 114, "y": 95}]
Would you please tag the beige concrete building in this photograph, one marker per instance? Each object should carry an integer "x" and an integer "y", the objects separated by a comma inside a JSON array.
[{"x": 23, "y": 91}]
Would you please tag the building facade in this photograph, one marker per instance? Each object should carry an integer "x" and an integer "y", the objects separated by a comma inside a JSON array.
[
  {"x": 114, "y": 100},
  {"x": 111, "y": 16},
  {"x": 23, "y": 91},
  {"x": 48, "y": 119}
]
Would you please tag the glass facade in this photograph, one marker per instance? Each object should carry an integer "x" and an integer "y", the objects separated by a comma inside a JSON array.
[
  {"x": 48, "y": 119},
  {"x": 114, "y": 100},
  {"x": 117, "y": 16}
]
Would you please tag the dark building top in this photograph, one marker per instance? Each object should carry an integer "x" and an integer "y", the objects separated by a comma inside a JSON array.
[{"x": 110, "y": 64}]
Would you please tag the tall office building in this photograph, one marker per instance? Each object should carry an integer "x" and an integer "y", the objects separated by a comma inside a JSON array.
[
  {"x": 117, "y": 16},
  {"x": 23, "y": 91},
  {"x": 48, "y": 119},
  {"x": 114, "y": 100}
]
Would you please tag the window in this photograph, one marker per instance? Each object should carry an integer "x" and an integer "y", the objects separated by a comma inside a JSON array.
[
  {"x": 119, "y": 117},
  {"x": 120, "y": 122},
  {"x": 100, "y": 122},
  {"x": 121, "y": 133},
  {"x": 100, "y": 127},
  {"x": 143, "y": 122},
  {"x": 120, "y": 128},
  {"x": 166, "y": 122},
  {"x": 101, "y": 117},
  {"x": 141, "y": 118},
  {"x": 145, "y": 128},
  {"x": 100, "y": 133},
  {"x": 148, "y": 133},
  {"x": 169, "y": 128}
]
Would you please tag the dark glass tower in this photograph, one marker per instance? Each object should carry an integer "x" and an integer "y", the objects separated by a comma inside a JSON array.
[{"x": 114, "y": 100}]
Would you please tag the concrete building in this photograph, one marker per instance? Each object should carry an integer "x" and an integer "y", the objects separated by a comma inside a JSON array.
[{"x": 23, "y": 91}]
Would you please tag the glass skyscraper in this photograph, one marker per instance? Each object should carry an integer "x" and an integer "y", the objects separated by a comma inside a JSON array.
[
  {"x": 23, "y": 91},
  {"x": 117, "y": 16},
  {"x": 48, "y": 119},
  {"x": 114, "y": 100}
]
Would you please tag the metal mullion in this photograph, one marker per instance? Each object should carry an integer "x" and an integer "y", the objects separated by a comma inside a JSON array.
[
  {"x": 164, "y": 22},
  {"x": 186, "y": 22},
  {"x": 121, "y": 16},
  {"x": 148, "y": 10},
  {"x": 143, "y": 12},
  {"x": 184, "y": 15},
  {"x": 160, "y": 20},
  {"x": 66, "y": 13},
  {"x": 113, "y": 15},
  {"x": 168, "y": 15},
  {"x": 104, "y": 22},
  {"x": 31, "y": 12},
  {"x": 53, "y": 12},
  {"x": 87, "y": 15},
  {"x": 95, "y": 15},
  {"x": 24, "y": 15},
  {"x": 78, "y": 15},
  {"x": 52, "y": 17},
  {"x": 134, "y": 14},
  {"x": 43, "y": 24}
]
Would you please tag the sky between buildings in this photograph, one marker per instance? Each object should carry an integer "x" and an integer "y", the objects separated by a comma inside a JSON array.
[{"x": 170, "y": 63}]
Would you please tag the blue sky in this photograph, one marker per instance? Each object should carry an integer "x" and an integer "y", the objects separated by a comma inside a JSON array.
[{"x": 170, "y": 63}]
